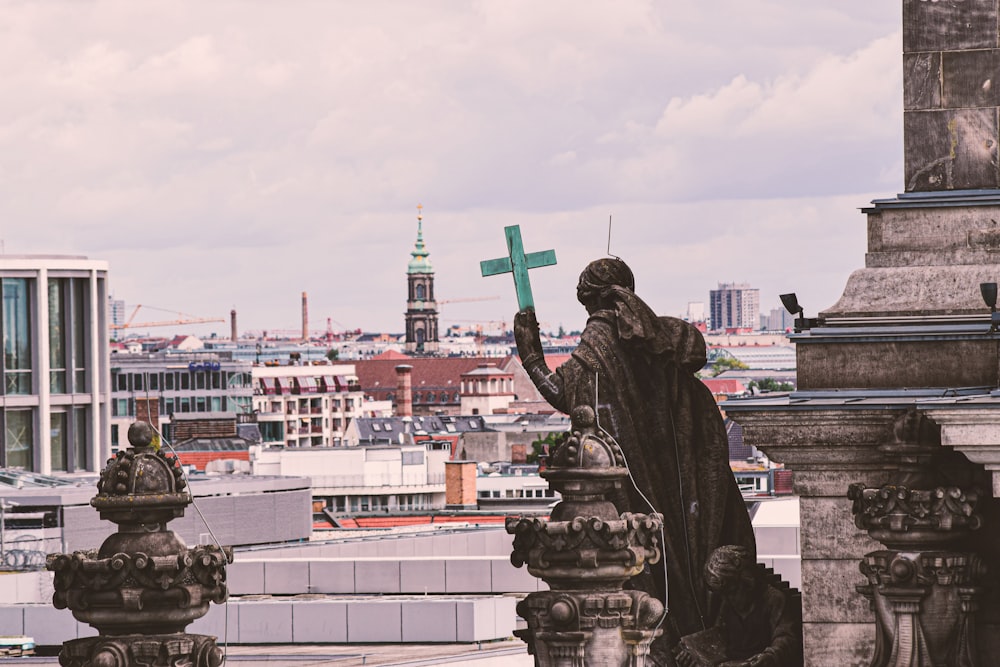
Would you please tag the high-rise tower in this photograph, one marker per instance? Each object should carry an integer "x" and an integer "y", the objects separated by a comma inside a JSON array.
[{"x": 421, "y": 309}]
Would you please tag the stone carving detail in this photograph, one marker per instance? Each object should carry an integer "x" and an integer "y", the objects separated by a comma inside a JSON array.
[
  {"x": 896, "y": 515},
  {"x": 923, "y": 591},
  {"x": 925, "y": 606},
  {"x": 143, "y": 586},
  {"x": 585, "y": 553}
]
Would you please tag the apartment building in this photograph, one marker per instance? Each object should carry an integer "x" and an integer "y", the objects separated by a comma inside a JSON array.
[{"x": 306, "y": 406}]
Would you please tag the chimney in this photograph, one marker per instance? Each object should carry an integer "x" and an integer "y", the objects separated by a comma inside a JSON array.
[
  {"x": 404, "y": 391},
  {"x": 460, "y": 485},
  {"x": 305, "y": 317},
  {"x": 232, "y": 325}
]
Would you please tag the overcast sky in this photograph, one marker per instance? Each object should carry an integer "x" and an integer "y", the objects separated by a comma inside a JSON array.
[{"x": 234, "y": 154}]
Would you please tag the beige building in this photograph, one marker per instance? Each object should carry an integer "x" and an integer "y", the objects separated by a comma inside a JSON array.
[{"x": 308, "y": 405}]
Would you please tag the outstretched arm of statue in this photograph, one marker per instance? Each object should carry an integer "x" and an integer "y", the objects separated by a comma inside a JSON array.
[{"x": 529, "y": 347}]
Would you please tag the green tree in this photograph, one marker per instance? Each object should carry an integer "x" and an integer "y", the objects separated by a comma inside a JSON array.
[
  {"x": 770, "y": 384},
  {"x": 333, "y": 354},
  {"x": 538, "y": 447},
  {"x": 725, "y": 363}
]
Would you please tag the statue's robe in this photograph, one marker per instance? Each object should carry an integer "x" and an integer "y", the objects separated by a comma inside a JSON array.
[{"x": 674, "y": 439}]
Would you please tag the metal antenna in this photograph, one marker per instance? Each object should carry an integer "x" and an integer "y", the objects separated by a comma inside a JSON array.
[{"x": 609, "y": 238}]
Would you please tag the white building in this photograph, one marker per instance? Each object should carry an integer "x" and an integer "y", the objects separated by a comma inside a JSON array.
[
  {"x": 486, "y": 390},
  {"x": 54, "y": 411},
  {"x": 308, "y": 405},
  {"x": 353, "y": 480}
]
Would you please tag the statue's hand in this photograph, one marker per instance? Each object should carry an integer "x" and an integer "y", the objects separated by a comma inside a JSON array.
[
  {"x": 529, "y": 341},
  {"x": 684, "y": 659},
  {"x": 526, "y": 321}
]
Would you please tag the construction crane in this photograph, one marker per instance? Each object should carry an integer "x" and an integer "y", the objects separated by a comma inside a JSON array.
[
  {"x": 181, "y": 319},
  {"x": 469, "y": 299}
]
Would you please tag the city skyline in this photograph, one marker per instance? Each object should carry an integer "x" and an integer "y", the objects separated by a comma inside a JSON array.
[{"x": 238, "y": 155}]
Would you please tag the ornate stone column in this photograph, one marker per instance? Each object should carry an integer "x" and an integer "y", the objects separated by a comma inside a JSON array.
[
  {"x": 143, "y": 587},
  {"x": 585, "y": 553},
  {"x": 923, "y": 586},
  {"x": 924, "y": 595}
]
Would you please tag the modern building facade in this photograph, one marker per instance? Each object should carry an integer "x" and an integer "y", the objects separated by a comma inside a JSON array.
[
  {"x": 156, "y": 386},
  {"x": 54, "y": 411},
  {"x": 735, "y": 308},
  {"x": 421, "y": 307}
]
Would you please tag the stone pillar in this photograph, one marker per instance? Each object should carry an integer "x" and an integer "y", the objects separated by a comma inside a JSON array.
[
  {"x": 908, "y": 346},
  {"x": 585, "y": 553},
  {"x": 143, "y": 587},
  {"x": 951, "y": 54}
]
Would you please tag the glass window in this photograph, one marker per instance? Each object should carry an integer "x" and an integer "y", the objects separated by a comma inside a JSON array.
[
  {"x": 16, "y": 336},
  {"x": 121, "y": 382},
  {"x": 168, "y": 405},
  {"x": 216, "y": 404},
  {"x": 121, "y": 407},
  {"x": 154, "y": 381},
  {"x": 57, "y": 341},
  {"x": 57, "y": 440},
  {"x": 199, "y": 405},
  {"x": 185, "y": 381},
  {"x": 137, "y": 382},
  {"x": 78, "y": 306},
  {"x": 199, "y": 380},
  {"x": 19, "y": 434},
  {"x": 168, "y": 381}
]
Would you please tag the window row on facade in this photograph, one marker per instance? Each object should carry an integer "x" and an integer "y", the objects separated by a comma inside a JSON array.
[{"x": 66, "y": 333}]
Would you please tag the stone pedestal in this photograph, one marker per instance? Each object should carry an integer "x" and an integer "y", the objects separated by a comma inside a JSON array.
[
  {"x": 143, "y": 587},
  {"x": 586, "y": 553}
]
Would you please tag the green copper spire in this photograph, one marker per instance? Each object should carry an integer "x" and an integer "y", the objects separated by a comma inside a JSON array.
[{"x": 420, "y": 263}]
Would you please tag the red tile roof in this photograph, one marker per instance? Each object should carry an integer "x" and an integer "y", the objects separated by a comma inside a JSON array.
[
  {"x": 728, "y": 387},
  {"x": 378, "y": 375},
  {"x": 391, "y": 354}
]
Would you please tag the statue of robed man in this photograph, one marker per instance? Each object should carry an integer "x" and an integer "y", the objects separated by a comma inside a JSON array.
[{"x": 639, "y": 371}]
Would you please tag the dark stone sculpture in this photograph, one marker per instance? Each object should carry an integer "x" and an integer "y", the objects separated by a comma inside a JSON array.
[
  {"x": 585, "y": 553},
  {"x": 639, "y": 371},
  {"x": 758, "y": 625},
  {"x": 143, "y": 587}
]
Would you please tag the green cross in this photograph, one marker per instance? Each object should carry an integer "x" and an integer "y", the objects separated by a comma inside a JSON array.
[{"x": 518, "y": 264}]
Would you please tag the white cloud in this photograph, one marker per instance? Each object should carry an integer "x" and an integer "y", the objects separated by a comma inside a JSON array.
[{"x": 217, "y": 143}]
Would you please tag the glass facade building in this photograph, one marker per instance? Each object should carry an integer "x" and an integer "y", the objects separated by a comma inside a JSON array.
[{"x": 54, "y": 408}]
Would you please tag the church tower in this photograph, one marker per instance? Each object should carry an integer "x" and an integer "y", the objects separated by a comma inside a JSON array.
[{"x": 421, "y": 309}]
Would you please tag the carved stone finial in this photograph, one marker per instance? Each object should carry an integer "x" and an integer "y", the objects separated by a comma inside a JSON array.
[
  {"x": 143, "y": 587},
  {"x": 585, "y": 553}
]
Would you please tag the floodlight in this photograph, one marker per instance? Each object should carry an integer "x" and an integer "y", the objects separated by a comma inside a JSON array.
[
  {"x": 791, "y": 303},
  {"x": 802, "y": 323}
]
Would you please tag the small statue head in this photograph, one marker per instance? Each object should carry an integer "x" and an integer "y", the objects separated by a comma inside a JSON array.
[
  {"x": 599, "y": 277},
  {"x": 732, "y": 573}
]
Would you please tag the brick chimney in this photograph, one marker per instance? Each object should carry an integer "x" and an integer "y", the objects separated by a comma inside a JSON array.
[
  {"x": 305, "y": 316},
  {"x": 460, "y": 485},
  {"x": 404, "y": 390}
]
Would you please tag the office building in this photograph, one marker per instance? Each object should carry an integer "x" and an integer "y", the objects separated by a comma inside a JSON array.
[{"x": 54, "y": 411}]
